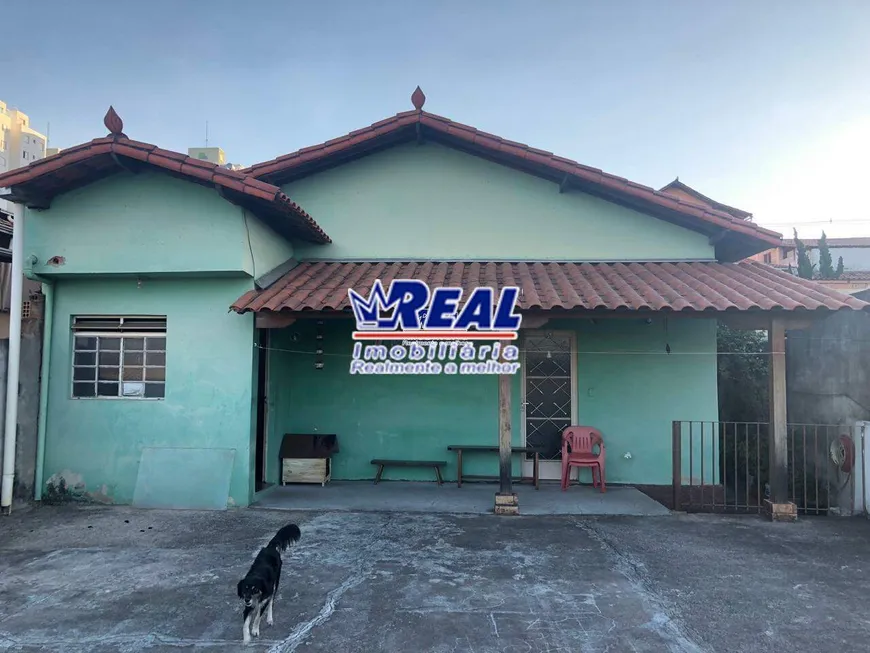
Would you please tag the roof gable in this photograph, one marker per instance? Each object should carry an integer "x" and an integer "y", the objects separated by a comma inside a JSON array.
[
  {"x": 679, "y": 189},
  {"x": 37, "y": 184},
  {"x": 431, "y": 201},
  {"x": 734, "y": 238}
]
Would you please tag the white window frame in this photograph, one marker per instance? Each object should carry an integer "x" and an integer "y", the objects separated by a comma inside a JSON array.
[{"x": 120, "y": 328}]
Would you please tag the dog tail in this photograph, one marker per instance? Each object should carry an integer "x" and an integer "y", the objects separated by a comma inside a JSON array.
[{"x": 288, "y": 535}]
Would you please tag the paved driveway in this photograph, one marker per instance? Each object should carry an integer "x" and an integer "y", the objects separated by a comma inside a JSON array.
[{"x": 116, "y": 579}]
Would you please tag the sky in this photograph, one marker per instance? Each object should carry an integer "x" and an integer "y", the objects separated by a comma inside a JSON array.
[{"x": 761, "y": 105}]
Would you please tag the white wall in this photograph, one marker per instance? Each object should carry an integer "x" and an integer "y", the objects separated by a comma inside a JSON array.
[{"x": 862, "y": 467}]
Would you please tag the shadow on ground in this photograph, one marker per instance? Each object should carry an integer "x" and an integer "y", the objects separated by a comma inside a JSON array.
[{"x": 101, "y": 579}]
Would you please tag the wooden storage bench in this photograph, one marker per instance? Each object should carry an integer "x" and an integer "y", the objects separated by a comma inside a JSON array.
[
  {"x": 306, "y": 470},
  {"x": 307, "y": 457}
]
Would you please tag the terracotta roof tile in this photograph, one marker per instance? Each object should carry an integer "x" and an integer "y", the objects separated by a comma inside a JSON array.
[
  {"x": 855, "y": 275},
  {"x": 676, "y": 187},
  {"x": 169, "y": 154},
  {"x": 256, "y": 191},
  {"x": 190, "y": 170},
  {"x": 81, "y": 164},
  {"x": 164, "y": 162},
  {"x": 686, "y": 286},
  {"x": 252, "y": 182},
  {"x": 205, "y": 165},
  {"x": 712, "y": 217},
  {"x": 138, "y": 153},
  {"x": 234, "y": 174},
  {"x": 233, "y": 183}
]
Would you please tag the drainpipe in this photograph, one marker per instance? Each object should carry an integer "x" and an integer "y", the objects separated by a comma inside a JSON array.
[
  {"x": 47, "y": 327},
  {"x": 11, "y": 430}
]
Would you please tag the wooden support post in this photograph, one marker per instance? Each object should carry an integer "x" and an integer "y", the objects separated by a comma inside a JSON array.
[
  {"x": 504, "y": 432},
  {"x": 506, "y": 502},
  {"x": 778, "y": 428}
]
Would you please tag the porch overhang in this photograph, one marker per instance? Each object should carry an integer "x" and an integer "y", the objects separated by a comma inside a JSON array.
[
  {"x": 748, "y": 295},
  {"x": 745, "y": 294}
]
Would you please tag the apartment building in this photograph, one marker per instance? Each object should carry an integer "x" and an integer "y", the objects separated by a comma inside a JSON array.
[
  {"x": 20, "y": 144},
  {"x": 213, "y": 155}
]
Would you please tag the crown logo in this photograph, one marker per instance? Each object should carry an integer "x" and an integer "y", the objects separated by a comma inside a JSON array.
[{"x": 368, "y": 311}]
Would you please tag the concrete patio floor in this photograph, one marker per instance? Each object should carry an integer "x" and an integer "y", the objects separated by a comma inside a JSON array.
[
  {"x": 471, "y": 498},
  {"x": 116, "y": 579}
]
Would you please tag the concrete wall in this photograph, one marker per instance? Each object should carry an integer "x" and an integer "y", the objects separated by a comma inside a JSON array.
[
  {"x": 150, "y": 223},
  {"x": 627, "y": 386},
  {"x": 430, "y": 201},
  {"x": 28, "y": 402},
  {"x": 828, "y": 370},
  {"x": 828, "y": 383}
]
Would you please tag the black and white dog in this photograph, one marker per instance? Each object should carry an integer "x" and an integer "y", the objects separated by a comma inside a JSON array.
[{"x": 259, "y": 587}]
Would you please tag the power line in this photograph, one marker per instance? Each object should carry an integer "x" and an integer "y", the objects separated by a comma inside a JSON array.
[
  {"x": 812, "y": 222},
  {"x": 662, "y": 352}
]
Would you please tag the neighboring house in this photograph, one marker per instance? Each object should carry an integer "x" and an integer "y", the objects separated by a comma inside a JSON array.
[
  {"x": 199, "y": 314},
  {"x": 681, "y": 190},
  {"x": 20, "y": 144},
  {"x": 854, "y": 251}
]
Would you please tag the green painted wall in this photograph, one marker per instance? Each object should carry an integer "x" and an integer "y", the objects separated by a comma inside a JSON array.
[
  {"x": 430, "y": 201},
  {"x": 150, "y": 223},
  {"x": 627, "y": 386},
  {"x": 632, "y": 389},
  {"x": 373, "y": 416},
  {"x": 268, "y": 249},
  {"x": 208, "y": 403}
]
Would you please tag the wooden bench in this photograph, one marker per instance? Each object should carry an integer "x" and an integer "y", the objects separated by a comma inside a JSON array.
[
  {"x": 459, "y": 448},
  {"x": 383, "y": 462}
]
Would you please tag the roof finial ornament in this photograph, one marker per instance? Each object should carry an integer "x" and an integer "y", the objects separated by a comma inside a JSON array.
[
  {"x": 418, "y": 99},
  {"x": 113, "y": 123}
]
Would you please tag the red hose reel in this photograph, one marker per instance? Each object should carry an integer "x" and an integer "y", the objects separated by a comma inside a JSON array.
[{"x": 843, "y": 453}]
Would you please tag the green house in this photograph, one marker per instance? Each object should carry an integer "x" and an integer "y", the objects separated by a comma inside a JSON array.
[{"x": 196, "y": 315}]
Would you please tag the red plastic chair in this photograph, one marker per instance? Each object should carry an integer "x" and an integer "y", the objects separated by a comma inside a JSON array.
[{"x": 578, "y": 450}]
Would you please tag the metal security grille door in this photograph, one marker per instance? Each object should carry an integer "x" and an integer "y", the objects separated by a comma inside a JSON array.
[{"x": 549, "y": 396}]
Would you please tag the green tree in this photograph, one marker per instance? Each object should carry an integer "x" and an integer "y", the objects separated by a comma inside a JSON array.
[
  {"x": 839, "y": 272},
  {"x": 806, "y": 268},
  {"x": 743, "y": 366},
  {"x": 743, "y": 369},
  {"x": 826, "y": 263}
]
